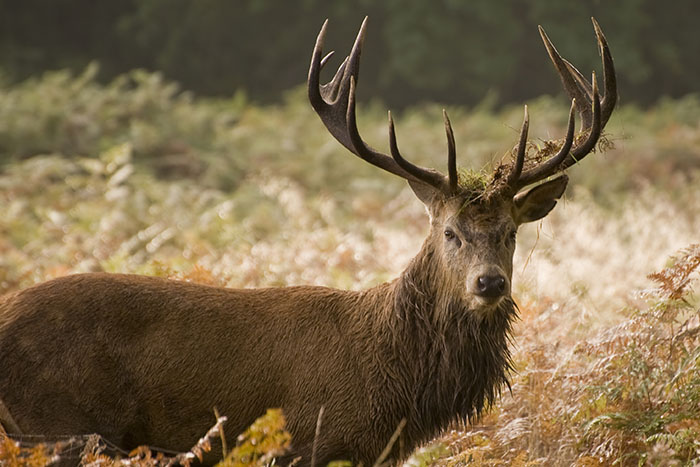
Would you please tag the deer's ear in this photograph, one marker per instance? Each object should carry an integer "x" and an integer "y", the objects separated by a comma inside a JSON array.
[
  {"x": 426, "y": 193},
  {"x": 535, "y": 203}
]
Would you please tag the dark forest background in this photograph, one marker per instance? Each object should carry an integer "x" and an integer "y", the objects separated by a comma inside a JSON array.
[{"x": 456, "y": 51}]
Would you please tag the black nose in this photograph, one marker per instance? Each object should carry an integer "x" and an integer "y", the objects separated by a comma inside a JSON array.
[{"x": 491, "y": 286}]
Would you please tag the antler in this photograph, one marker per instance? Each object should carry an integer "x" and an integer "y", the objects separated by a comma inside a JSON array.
[
  {"x": 586, "y": 100},
  {"x": 334, "y": 102}
]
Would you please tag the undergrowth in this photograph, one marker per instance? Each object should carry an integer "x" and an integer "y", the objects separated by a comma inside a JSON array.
[
  {"x": 257, "y": 446},
  {"x": 627, "y": 395},
  {"x": 137, "y": 177}
]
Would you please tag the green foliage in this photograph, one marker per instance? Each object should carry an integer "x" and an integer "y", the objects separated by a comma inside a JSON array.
[
  {"x": 651, "y": 398},
  {"x": 451, "y": 51},
  {"x": 220, "y": 143},
  {"x": 260, "y": 443},
  {"x": 265, "y": 439},
  {"x": 472, "y": 180},
  {"x": 426, "y": 455},
  {"x": 340, "y": 464},
  {"x": 168, "y": 131}
]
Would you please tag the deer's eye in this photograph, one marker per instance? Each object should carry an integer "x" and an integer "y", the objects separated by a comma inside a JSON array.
[{"x": 452, "y": 237}]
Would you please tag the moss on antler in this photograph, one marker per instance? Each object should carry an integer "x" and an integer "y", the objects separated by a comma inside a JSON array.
[
  {"x": 538, "y": 153},
  {"x": 472, "y": 180}
]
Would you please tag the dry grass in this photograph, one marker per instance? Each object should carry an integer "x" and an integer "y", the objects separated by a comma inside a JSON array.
[{"x": 607, "y": 360}]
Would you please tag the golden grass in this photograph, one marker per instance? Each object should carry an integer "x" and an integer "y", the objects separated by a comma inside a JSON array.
[{"x": 606, "y": 356}]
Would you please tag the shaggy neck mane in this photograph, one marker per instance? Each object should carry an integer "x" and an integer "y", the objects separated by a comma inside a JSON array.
[{"x": 448, "y": 362}]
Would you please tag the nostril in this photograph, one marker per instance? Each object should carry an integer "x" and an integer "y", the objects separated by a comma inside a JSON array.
[
  {"x": 491, "y": 286},
  {"x": 500, "y": 284}
]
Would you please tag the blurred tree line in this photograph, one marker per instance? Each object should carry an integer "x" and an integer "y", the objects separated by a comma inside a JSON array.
[{"x": 456, "y": 51}]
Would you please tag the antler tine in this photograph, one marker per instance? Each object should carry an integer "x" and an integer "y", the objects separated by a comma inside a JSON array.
[
  {"x": 609, "y": 78},
  {"x": 451, "y": 154},
  {"x": 329, "y": 91},
  {"x": 596, "y": 113},
  {"x": 517, "y": 169},
  {"x": 325, "y": 59},
  {"x": 580, "y": 151},
  {"x": 577, "y": 86},
  {"x": 568, "y": 78},
  {"x": 572, "y": 156},
  {"x": 433, "y": 178},
  {"x": 580, "y": 81},
  {"x": 554, "y": 163},
  {"x": 334, "y": 102},
  {"x": 313, "y": 81}
]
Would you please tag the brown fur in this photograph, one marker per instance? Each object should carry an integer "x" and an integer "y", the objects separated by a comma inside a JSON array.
[{"x": 142, "y": 360}]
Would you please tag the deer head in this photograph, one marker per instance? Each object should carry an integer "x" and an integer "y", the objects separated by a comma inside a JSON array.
[{"x": 473, "y": 223}]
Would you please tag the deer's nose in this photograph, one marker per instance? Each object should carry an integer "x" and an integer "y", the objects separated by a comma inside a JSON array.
[{"x": 491, "y": 286}]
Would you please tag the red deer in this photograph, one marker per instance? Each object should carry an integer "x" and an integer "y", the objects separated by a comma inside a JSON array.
[{"x": 143, "y": 361}]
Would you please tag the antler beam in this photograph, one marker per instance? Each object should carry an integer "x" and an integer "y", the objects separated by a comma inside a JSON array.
[{"x": 334, "y": 102}]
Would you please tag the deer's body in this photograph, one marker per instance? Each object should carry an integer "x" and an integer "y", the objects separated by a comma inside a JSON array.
[
  {"x": 145, "y": 361},
  {"x": 164, "y": 353},
  {"x": 153, "y": 358}
]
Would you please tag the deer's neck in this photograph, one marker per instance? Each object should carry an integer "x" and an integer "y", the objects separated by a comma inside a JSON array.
[{"x": 441, "y": 359}]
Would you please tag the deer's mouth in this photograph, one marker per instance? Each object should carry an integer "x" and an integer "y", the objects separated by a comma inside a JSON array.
[
  {"x": 489, "y": 301},
  {"x": 483, "y": 305},
  {"x": 487, "y": 305}
]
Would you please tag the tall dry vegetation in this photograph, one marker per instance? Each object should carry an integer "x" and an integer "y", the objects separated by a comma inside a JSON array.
[{"x": 607, "y": 356}]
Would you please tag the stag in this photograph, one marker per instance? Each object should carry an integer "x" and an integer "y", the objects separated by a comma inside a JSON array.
[{"x": 143, "y": 361}]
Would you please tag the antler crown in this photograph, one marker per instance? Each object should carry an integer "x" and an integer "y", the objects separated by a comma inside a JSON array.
[{"x": 335, "y": 104}]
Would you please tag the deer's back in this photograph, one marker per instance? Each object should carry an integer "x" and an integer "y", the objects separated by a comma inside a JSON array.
[{"x": 144, "y": 360}]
